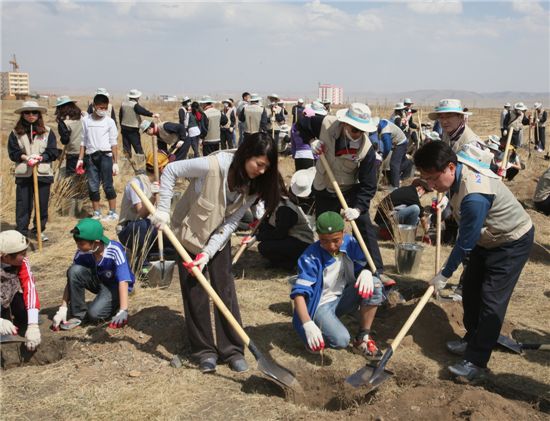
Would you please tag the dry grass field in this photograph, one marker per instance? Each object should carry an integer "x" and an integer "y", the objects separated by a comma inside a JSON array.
[{"x": 99, "y": 373}]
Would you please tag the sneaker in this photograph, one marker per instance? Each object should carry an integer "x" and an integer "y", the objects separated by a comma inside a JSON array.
[
  {"x": 96, "y": 215},
  {"x": 111, "y": 216},
  {"x": 457, "y": 347},
  {"x": 207, "y": 365},
  {"x": 365, "y": 345},
  {"x": 44, "y": 237},
  {"x": 70, "y": 324},
  {"x": 468, "y": 370},
  {"x": 239, "y": 365}
]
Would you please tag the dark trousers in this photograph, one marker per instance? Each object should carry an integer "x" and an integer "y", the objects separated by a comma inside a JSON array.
[
  {"x": 303, "y": 163},
  {"x": 141, "y": 234},
  {"x": 70, "y": 164},
  {"x": 104, "y": 305},
  {"x": 209, "y": 147},
  {"x": 515, "y": 139},
  {"x": 398, "y": 163},
  {"x": 511, "y": 173},
  {"x": 16, "y": 313},
  {"x": 190, "y": 142},
  {"x": 325, "y": 201},
  {"x": 540, "y": 137},
  {"x": 543, "y": 206},
  {"x": 282, "y": 253},
  {"x": 489, "y": 280},
  {"x": 24, "y": 203},
  {"x": 227, "y": 346},
  {"x": 226, "y": 139},
  {"x": 131, "y": 139},
  {"x": 99, "y": 170}
]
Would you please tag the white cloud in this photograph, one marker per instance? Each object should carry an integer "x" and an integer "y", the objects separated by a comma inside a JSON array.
[
  {"x": 67, "y": 5},
  {"x": 369, "y": 22},
  {"x": 527, "y": 7},
  {"x": 436, "y": 7}
]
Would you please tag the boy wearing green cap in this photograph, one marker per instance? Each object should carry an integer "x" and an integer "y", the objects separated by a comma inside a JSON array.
[
  {"x": 333, "y": 281},
  {"x": 99, "y": 266}
]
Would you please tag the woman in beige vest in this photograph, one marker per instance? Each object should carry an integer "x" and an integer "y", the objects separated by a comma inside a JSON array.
[
  {"x": 69, "y": 126},
  {"x": 222, "y": 187},
  {"x": 32, "y": 143}
]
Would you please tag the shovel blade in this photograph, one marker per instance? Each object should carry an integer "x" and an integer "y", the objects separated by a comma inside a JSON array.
[
  {"x": 363, "y": 376},
  {"x": 6, "y": 339},
  {"x": 160, "y": 273},
  {"x": 274, "y": 371}
]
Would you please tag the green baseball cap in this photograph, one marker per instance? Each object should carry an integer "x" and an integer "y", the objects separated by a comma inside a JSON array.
[
  {"x": 329, "y": 223},
  {"x": 89, "y": 229}
]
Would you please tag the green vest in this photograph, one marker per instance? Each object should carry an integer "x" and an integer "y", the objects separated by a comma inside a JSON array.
[{"x": 36, "y": 148}]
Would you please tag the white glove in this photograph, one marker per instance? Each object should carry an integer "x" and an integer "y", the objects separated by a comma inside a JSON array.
[
  {"x": 317, "y": 147},
  {"x": 160, "y": 218},
  {"x": 248, "y": 240},
  {"x": 60, "y": 316},
  {"x": 504, "y": 132},
  {"x": 115, "y": 169},
  {"x": 119, "y": 320},
  {"x": 32, "y": 336},
  {"x": 365, "y": 284},
  {"x": 7, "y": 327},
  {"x": 439, "y": 281},
  {"x": 351, "y": 214},
  {"x": 155, "y": 187},
  {"x": 179, "y": 144},
  {"x": 314, "y": 336},
  {"x": 443, "y": 203}
]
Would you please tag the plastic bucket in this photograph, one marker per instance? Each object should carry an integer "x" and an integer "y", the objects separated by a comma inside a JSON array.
[
  {"x": 407, "y": 233},
  {"x": 408, "y": 257}
]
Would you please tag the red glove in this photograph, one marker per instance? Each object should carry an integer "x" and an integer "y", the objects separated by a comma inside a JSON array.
[
  {"x": 34, "y": 160},
  {"x": 501, "y": 172},
  {"x": 254, "y": 224},
  {"x": 80, "y": 167},
  {"x": 427, "y": 240},
  {"x": 200, "y": 261}
]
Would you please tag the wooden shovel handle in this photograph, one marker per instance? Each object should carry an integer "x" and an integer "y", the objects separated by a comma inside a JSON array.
[
  {"x": 344, "y": 205},
  {"x": 438, "y": 234},
  {"x": 506, "y": 149},
  {"x": 196, "y": 272},
  {"x": 37, "y": 206}
]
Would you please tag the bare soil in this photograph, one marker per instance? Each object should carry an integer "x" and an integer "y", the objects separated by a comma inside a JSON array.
[{"x": 95, "y": 372}]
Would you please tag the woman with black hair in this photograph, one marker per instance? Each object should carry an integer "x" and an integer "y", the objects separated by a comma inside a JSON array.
[
  {"x": 69, "y": 126},
  {"x": 32, "y": 143},
  {"x": 222, "y": 187}
]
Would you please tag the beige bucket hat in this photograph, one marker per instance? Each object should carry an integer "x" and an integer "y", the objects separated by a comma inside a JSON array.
[
  {"x": 359, "y": 116},
  {"x": 301, "y": 181},
  {"x": 31, "y": 106},
  {"x": 448, "y": 106}
]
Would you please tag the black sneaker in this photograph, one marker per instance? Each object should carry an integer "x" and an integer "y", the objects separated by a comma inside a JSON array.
[
  {"x": 468, "y": 370},
  {"x": 239, "y": 365},
  {"x": 457, "y": 347},
  {"x": 207, "y": 365}
]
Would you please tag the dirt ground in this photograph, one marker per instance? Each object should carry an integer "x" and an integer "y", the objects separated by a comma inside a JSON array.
[{"x": 97, "y": 373}]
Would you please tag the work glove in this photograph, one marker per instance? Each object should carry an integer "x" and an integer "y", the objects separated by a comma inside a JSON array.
[
  {"x": 179, "y": 144},
  {"x": 318, "y": 147},
  {"x": 156, "y": 115},
  {"x": 200, "y": 261},
  {"x": 160, "y": 218},
  {"x": 439, "y": 281},
  {"x": 308, "y": 112},
  {"x": 7, "y": 327},
  {"x": 80, "y": 167},
  {"x": 314, "y": 336},
  {"x": 505, "y": 132},
  {"x": 119, "y": 320},
  {"x": 32, "y": 336},
  {"x": 501, "y": 172},
  {"x": 351, "y": 214},
  {"x": 155, "y": 187},
  {"x": 427, "y": 240},
  {"x": 248, "y": 240},
  {"x": 34, "y": 160},
  {"x": 115, "y": 169},
  {"x": 60, "y": 317},
  {"x": 442, "y": 205},
  {"x": 231, "y": 130},
  {"x": 254, "y": 224},
  {"x": 365, "y": 284}
]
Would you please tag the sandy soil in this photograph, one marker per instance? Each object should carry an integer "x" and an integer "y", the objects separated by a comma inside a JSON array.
[{"x": 97, "y": 373}]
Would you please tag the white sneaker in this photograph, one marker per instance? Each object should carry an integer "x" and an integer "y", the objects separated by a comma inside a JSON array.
[
  {"x": 96, "y": 215},
  {"x": 111, "y": 216}
]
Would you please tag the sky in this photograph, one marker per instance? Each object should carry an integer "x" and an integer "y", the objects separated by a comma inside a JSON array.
[{"x": 285, "y": 47}]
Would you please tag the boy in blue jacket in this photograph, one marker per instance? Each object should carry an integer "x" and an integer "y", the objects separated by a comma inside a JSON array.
[{"x": 333, "y": 281}]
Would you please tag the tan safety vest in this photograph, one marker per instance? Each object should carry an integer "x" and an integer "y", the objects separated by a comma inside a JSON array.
[
  {"x": 303, "y": 229},
  {"x": 538, "y": 115},
  {"x": 542, "y": 191},
  {"x": 468, "y": 136},
  {"x": 127, "y": 210},
  {"x": 272, "y": 123},
  {"x": 252, "y": 117},
  {"x": 197, "y": 216},
  {"x": 515, "y": 123},
  {"x": 397, "y": 135},
  {"x": 75, "y": 127},
  {"x": 506, "y": 221},
  {"x": 129, "y": 117},
  {"x": 228, "y": 115},
  {"x": 169, "y": 138},
  {"x": 214, "y": 117},
  {"x": 36, "y": 148},
  {"x": 345, "y": 171}
]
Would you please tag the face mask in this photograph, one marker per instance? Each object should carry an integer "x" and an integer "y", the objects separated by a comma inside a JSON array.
[
  {"x": 101, "y": 113},
  {"x": 348, "y": 136}
]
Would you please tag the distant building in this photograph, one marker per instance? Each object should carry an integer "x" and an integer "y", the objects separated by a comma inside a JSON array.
[
  {"x": 332, "y": 93},
  {"x": 14, "y": 84}
]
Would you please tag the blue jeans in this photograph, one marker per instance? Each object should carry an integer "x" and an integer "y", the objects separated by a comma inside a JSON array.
[
  {"x": 408, "y": 215},
  {"x": 99, "y": 170},
  {"x": 397, "y": 163},
  {"x": 242, "y": 127},
  {"x": 327, "y": 316}
]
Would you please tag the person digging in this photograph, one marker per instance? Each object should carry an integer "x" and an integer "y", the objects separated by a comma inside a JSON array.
[{"x": 333, "y": 280}]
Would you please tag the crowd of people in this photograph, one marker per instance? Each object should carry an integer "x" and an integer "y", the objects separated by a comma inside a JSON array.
[{"x": 299, "y": 228}]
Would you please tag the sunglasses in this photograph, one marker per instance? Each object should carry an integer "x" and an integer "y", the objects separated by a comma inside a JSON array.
[
  {"x": 354, "y": 130},
  {"x": 31, "y": 112}
]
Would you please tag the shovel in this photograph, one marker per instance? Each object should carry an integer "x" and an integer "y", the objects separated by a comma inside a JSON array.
[
  {"x": 270, "y": 368},
  {"x": 8, "y": 339},
  {"x": 161, "y": 272},
  {"x": 518, "y": 347},
  {"x": 37, "y": 207}
]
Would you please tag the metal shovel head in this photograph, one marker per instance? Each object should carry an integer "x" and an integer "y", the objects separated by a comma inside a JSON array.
[
  {"x": 363, "y": 376},
  {"x": 281, "y": 375},
  {"x": 6, "y": 339},
  {"x": 160, "y": 273}
]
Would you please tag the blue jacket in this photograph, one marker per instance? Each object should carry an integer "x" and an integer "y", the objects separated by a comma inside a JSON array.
[{"x": 311, "y": 265}]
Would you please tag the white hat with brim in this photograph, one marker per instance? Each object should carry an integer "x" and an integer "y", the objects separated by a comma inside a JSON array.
[
  {"x": 433, "y": 136},
  {"x": 448, "y": 106},
  {"x": 399, "y": 106},
  {"x": 408, "y": 101},
  {"x": 301, "y": 181},
  {"x": 185, "y": 99},
  {"x": 318, "y": 108},
  {"x": 507, "y": 105},
  {"x": 31, "y": 106},
  {"x": 273, "y": 96},
  {"x": 537, "y": 105},
  {"x": 206, "y": 100},
  {"x": 300, "y": 100},
  {"x": 520, "y": 106},
  {"x": 493, "y": 138},
  {"x": 62, "y": 100},
  {"x": 227, "y": 101},
  {"x": 12, "y": 241},
  {"x": 477, "y": 158},
  {"x": 145, "y": 124},
  {"x": 102, "y": 91},
  {"x": 359, "y": 116},
  {"x": 255, "y": 98},
  {"x": 134, "y": 93}
]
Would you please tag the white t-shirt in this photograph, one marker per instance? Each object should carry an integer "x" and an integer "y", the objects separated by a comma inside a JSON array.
[
  {"x": 98, "y": 135},
  {"x": 334, "y": 281}
]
